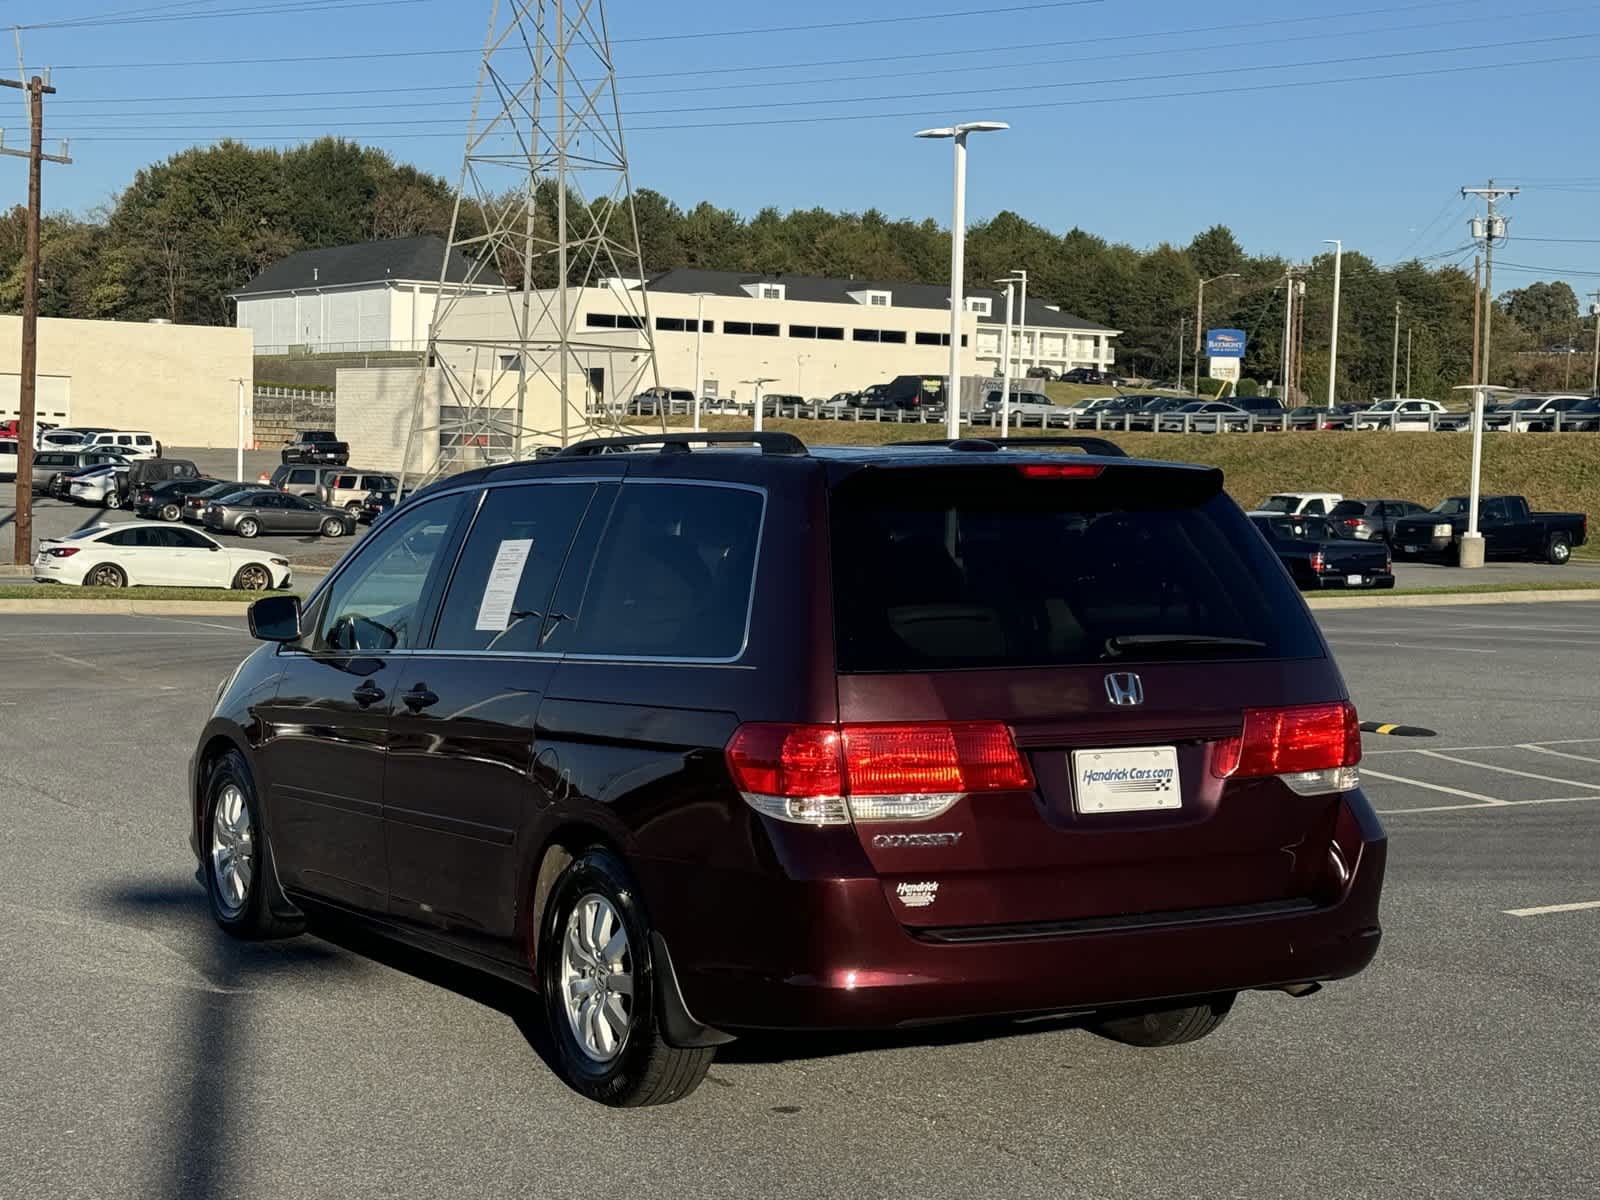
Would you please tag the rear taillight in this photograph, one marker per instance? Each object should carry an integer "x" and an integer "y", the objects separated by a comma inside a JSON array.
[
  {"x": 1060, "y": 471},
  {"x": 1351, "y": 522},
  {"x": 831, "y": 775},
  {"x": 1318, "y": 561},
  {"x": 62, "y": 551},
  {"x": 1314, "y": 749}
]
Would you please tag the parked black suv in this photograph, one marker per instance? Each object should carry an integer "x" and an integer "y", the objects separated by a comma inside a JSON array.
[{"x": 697, "y": 733}]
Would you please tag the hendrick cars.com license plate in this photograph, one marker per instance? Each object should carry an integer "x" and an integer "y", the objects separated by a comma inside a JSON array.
[{"x": 1109, "y": 781}]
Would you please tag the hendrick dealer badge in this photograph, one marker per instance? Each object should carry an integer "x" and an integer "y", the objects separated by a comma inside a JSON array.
[{"x": 1134, "y": 780}]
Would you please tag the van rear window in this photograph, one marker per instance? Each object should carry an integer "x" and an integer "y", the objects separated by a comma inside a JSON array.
[{"x": 978, "y": 567}]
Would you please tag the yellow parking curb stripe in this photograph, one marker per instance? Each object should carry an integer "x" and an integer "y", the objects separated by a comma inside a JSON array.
[{"x": 1386, "y": 728}]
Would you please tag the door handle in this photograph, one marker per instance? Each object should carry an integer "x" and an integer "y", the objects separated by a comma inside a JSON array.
[
  {"x": 419, "y": 698},
  {"x": 368, "y": 694}
]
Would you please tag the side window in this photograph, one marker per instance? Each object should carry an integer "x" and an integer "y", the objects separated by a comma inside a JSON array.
[
  {"x": 298, "y": 503},
  {"x": 144, "y": 439},
  {"x": 1494, "y": 510},
  {"x": 672, "y": 575},
  {"x": 1314, "y": 508},
  {"x": 375, "y": 603},
  {"x": 187, "y": 539},
  {"x": 123, "y": 537},
  {"x": 500, "y": 594},
  {"x": 344, "y": 482}
]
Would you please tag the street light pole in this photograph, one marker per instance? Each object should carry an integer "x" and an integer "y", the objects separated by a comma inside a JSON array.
[
  {"x": 958, "y": 250},
  {"x": 1005, "y": 361},
  {"x": 1199, "y": 323},
  {"x": 1333, "y": 338},
  {"x": 699, "y": 345},
  {"x": 1394, "y": 362}
]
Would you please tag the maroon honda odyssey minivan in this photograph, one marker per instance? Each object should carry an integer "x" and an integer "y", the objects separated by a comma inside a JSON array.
[{"x": 699, "y": 735}]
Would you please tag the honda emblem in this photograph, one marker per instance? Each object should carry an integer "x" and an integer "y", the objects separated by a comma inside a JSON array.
[{"x": 1124, "y": 689}]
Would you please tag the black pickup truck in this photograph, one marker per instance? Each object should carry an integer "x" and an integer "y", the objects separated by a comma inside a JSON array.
[
  {"x": 1316, "y": 557},
  {"x": 317, "y": 446},
  {"x": 1509, "y": 531}
]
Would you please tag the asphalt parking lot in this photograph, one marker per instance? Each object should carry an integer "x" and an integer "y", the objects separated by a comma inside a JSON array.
[
  {"x": 148, "y": 1056},
  {"x": 57, "y": 518}
]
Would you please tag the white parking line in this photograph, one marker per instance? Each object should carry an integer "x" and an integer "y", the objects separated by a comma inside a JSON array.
[
  {"x": 1537, "y": 749},
  {"x": 1511, "y": 746},
  {"x": 1417, "y": 646},
  {"x": 1438, "y": 808},
  {"x": 1544, "y": 910},
  {"x": 1437, "y": 787},
  {"x": 1467, "y": 762}
]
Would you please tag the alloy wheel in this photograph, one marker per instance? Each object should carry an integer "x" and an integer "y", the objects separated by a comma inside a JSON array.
[
  {"x": 597, "y": 978},
  {"x": 232, "y": 850},
  {"x": 254, "y": 579}
]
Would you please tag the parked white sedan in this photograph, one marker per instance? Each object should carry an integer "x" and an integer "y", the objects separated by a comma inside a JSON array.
[
  {"x": 156, "y": 554},
  {"x": 98, "y": 486}
]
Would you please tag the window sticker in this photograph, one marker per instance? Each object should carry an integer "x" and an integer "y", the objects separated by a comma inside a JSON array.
[{"x": 500, "y": 590}]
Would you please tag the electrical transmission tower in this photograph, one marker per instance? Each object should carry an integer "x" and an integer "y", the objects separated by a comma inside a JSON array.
[{"x": 544, "y": 201}]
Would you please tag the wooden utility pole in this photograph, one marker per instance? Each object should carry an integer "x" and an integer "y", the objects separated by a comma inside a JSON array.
[{"x": 37, "y": 89}]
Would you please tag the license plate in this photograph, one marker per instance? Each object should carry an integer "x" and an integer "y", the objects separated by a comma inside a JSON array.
[
  {"x": 1412, "y": 549},
  {"x": 1133, "y": 780},
  {"x": 1354, "y": 580}
]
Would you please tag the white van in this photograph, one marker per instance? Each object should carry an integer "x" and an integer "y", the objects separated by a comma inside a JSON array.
[
  {"x": 8, "y": 458},
  {"x": 132, "y": 443}
]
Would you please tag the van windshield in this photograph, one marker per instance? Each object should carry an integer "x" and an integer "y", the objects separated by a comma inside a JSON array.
[{"x": 942, "y": 568}]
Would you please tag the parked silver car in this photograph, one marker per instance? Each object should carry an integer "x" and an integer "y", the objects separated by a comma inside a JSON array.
[{"x": 270, "y": 511}]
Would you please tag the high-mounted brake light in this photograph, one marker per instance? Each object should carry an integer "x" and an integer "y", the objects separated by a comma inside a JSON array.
[
  {"x": 1313, "y": 748},
  {"x": 828, "y": 775},
  {"x": 1059, "y": 471}
]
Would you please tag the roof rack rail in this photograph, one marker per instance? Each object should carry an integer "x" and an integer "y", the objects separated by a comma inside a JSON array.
[
  {"x": 680, "y": 443},
  {"x": 1089, "y": 445}
]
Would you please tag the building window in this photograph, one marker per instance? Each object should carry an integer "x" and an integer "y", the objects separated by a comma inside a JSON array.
[
  {"x": 511, "y": 362},
  {"x": 982, "y": 305},
  {"x": 672, "y": 324},
  {"x": 830, "y": 333},
  {"x": 893, "y": 337},
  {"x": 803, "y": 331},
  {"x": 864, "y": 335},
  {"x": 600, "y": 320},
  {"x": 739, "y": 327},
  {"x": 762, "y": 330},
  {"x": 771, "y": 291},
  {"x": 932, "y": 339},
  {"x": 879, "y": 299}
]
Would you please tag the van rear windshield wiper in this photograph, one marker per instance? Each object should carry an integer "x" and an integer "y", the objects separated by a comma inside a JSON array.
[{"x": 1119, "y": 644}]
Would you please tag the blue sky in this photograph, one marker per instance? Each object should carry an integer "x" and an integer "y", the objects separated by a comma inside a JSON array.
[{"x": 1140, "y": 120}]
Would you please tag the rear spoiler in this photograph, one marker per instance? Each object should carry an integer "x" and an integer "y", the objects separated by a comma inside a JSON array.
[{"x": 1089, "y": 445}]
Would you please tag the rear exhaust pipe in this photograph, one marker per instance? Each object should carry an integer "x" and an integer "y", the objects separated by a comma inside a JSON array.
[{"x": 1301, "y": 989}]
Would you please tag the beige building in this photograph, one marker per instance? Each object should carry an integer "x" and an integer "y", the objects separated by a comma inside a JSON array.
[{"x": 179, "y": 382}]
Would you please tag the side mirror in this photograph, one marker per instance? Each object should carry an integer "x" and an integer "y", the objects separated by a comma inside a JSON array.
[
  {"x": 213, "y": 546},
  {"x": 275, "y": 619}
]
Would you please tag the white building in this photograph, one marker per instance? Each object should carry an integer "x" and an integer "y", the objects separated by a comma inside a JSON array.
[{"x": 375, "y": 296}]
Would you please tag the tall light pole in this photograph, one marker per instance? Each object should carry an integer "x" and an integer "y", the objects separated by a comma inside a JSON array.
[
  {"x": 1408, "y": 360},
  {"x": 757, "y": 383},
  {"x": 1394, "y": 362},
  {"x": 1594, "y": 309},
  {"x": 1471, "y": 551},
  {"x": 1022, "y": 321},
  {"x": 1005, "y": 359},
  {"x": 958, "y": 254},
  {"x": 1200, "y": 320},
  {"x": 699, "y": 346},
  {"x": 1333, "y": 338}
]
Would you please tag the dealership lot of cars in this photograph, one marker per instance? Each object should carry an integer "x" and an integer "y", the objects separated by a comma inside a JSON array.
[{"x": 215, "y": 1068}]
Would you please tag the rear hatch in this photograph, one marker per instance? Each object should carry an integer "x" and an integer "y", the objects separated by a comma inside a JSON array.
[{"x": 1115, "y": 624}]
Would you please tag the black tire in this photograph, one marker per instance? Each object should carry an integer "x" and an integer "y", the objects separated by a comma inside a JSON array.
[
  {"x": 645, "y": 1069},
  {"x": 169, "y": 512},
  {"x": 1167, "y": 1026},
  {"x": 1558, "y": 550},
  {"x": 113, "y": 500},
  {"x": 252, "y": 577},
  {"x": 107, "y": 575},
  {"x": 334, "y": 527},
  {"x": 248, "y": 527},
  {"x": 251, "y": 918},
  {"x": 354, "y": 510}
]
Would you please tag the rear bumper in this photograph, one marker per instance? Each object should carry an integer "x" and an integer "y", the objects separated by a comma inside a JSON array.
[
  {"x": 829, "y": 953},
  {"x": 1369, "y": 580}
]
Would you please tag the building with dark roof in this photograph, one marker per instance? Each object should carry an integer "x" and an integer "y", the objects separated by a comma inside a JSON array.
[{"x": 372, "y": 296}]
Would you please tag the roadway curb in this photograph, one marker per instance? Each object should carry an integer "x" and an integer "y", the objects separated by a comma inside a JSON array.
[{"x": 1451, "y": 599}]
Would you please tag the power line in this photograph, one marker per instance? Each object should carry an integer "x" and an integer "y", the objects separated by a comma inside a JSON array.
[
  {"x": 856, "y": 24},
  {"x": 995, "y": 91},
  {"x": 828, "y": 118},
  {"x": 283, "y": 9},
  {"x": 1142, "y": 35},
  {"x": 121, "y": 101}
]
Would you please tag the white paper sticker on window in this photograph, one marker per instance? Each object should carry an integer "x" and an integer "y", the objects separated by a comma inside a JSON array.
[{"x": 500, "y": 592}]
